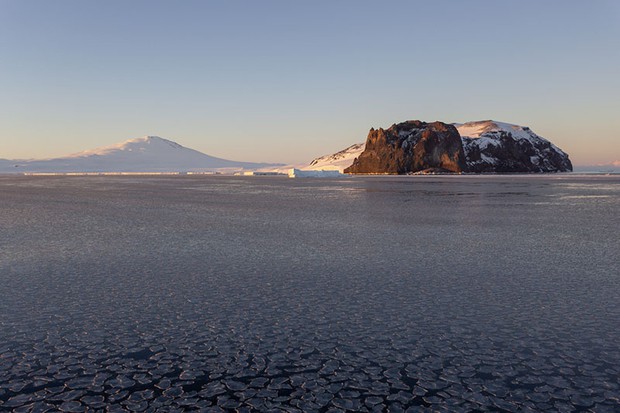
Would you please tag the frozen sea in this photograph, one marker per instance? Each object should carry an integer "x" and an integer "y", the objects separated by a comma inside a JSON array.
[{"x": 438, "y": 293}]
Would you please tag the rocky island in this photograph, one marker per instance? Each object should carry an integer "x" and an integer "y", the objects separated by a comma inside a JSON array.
[{"x": 473, "y": 147}]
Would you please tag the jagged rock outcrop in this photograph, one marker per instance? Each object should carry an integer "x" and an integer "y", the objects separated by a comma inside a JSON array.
[
  {"x": 498, "y": 147},
  {"x": 473, "y": 147},
  {"x": 411, "y": 146}
]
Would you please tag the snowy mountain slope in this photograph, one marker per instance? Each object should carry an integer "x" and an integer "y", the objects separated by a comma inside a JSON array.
[
  {"x": 492, "y": 146},
  {"x": 146, "y": 154},
  {"x": 334, "y": 162},
  {"x": 339, "y": 160}
]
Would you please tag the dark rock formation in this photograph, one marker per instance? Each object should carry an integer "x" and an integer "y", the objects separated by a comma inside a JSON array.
[
  {"x": 503, "y": 148},
  {"x": 410, "y": 147},
  {"x": 474, "y": 147}
]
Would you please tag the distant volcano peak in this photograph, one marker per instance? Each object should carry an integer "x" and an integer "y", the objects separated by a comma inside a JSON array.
[
  {"x": 145, "y": 154},
  {"x": 151, "y": 139}
]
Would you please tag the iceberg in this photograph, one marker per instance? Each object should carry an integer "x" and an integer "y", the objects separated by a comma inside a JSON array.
[{"x": 304, "y": 173}]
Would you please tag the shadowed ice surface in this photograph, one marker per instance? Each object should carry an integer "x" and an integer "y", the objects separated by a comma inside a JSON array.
[{"x": 496, "y": 293}]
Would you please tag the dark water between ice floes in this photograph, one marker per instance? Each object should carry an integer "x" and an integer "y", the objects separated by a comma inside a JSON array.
[{"x": 455, "y": 293}]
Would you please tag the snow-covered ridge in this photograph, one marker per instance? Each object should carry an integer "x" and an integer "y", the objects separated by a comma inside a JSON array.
[
  {"x": 476, "y": 128},
  {"x": 333, "y": 162},
  {"x": 485, "y": 128},
  {"x": 352, "y": 150},
  {"x": 339, "y": 160}
]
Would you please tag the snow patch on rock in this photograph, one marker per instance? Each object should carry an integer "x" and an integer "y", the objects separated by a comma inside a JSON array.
[{"x": 492, "y": 146}]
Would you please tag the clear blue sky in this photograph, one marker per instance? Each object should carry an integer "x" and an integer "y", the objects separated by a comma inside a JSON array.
[{"x": 290, "y": 80}]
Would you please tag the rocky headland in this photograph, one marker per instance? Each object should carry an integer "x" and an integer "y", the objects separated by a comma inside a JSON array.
[
  {"x": 474, "y": 147},
  {"x": 409, "y": 147}
]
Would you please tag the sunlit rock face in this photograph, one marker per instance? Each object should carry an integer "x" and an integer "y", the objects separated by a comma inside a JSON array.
[
  {"x": 473, "y": 147},
  {"x": 409, "y": 147},
  {"x": 492, "y": 146}
]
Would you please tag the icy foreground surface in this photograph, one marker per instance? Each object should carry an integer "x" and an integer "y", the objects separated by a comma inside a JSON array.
[{"x": 458, "y": 293}]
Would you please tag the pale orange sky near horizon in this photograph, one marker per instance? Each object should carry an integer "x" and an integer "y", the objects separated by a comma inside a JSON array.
[{"x": 286, "y": 82}]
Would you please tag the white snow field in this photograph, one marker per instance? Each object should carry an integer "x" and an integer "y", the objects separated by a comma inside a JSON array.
[{"x": 339, "y": 160}]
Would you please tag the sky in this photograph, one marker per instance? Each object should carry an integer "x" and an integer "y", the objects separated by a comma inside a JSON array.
[{"x": 287, "y": 81}]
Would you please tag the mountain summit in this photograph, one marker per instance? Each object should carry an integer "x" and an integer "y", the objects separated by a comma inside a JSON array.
[
  {"x": 145, "y": 154},
  {"x": 145, "y": 144}
]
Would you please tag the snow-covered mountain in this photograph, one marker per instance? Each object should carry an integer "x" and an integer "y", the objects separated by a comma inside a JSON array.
[
  {"x": 489, "y": 146},
  {"x": 146, "y": 154},
  {"x": 492, "y": 146}
]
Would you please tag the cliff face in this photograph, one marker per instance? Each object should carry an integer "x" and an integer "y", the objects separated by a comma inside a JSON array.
[{"x": 410, "y": 147}]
